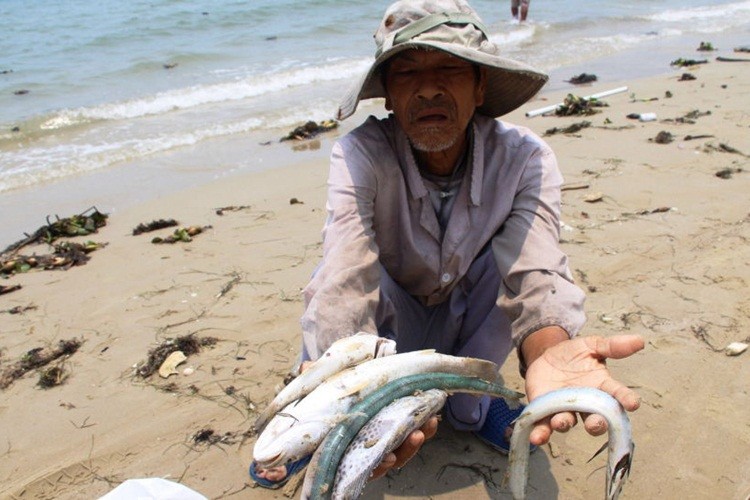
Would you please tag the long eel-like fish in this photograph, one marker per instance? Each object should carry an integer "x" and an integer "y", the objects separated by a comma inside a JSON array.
[
  {"x": 385, "y": 432},
  {"x": 342, "y": 354},
  {"x": 321, "y": 472},
  {"x": 580, "y": 399},
  {"x": 300, "y": 427}
]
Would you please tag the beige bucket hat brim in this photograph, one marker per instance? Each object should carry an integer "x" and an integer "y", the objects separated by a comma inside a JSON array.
[{"x": 453, "y": 27}]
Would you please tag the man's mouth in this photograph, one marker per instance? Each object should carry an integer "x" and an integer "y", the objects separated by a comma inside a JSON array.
[{"x": 429, "y": 116}]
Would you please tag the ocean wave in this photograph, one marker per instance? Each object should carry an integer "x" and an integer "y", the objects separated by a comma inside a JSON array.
[
  {"x": 87, "y": 149},
  {"x": 514, "y": 34},
  {"x": 29, "y": 166},
  {"x": 191, "y": 97},
  {"x": 727, "y": 13}
]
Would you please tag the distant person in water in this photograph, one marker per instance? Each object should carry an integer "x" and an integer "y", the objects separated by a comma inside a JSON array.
[{"x": 524, "y": 7}]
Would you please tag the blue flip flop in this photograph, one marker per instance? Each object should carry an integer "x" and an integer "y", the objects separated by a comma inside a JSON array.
[
  {"x": 499, "y": 418},
  {"x": 291, "y": 469}
]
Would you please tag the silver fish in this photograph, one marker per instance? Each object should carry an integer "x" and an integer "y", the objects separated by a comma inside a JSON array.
[
  {"x": 321, "y": 472},
  {"x": 342, "y": 354},
  {"x": 299, "y": 428},
  {"x": 582, "y": 399},
  {"x": 382, "y": 434}
]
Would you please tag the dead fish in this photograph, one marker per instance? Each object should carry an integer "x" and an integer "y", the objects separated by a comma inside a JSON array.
[
  {"x": 321, "y": 471},
  {"x": 299, "y": 428},
  {"x": 342, "y": 354},
  {"x": 382, "y": 434},
  {"x": 581, "y": 399}
]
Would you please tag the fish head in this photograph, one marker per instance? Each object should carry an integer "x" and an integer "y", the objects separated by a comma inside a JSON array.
[
  {"x": 385, "y": 347},
  {"x": 298, "y": 441},
  {"x": 619, "y": 474}
]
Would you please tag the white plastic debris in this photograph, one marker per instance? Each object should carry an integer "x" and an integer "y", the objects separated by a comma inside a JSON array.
[{"x": 152, "y": 488}]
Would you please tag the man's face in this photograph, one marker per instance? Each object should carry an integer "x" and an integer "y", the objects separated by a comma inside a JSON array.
[{"x": 433, "y": 96}]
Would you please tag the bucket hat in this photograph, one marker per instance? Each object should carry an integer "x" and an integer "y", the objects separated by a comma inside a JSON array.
[{"x": 451, "y": 26}]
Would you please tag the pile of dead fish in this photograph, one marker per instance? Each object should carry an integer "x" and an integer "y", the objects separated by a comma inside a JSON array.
[{"x": 357, "y": 403}]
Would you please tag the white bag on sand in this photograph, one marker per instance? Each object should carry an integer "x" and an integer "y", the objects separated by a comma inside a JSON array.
[{"x": 152, "y": 488}]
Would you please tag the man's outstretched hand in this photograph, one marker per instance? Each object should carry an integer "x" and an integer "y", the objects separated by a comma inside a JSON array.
[{"x": 578, "y": 362}]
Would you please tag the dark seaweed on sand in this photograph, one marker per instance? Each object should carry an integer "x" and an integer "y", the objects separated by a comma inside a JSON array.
[
  {"x": 663, "y": 137},
  {"x": 65, "y": 255},
  {"x": 52, "y": 377},
  {"x": 570, "y": 129},
  {"x": 154, "y": 225},
  {"x": 310, "y": 130},
  {"x": 188, "y": 344},
  {"x": 682, "y": 62},
  {"x": 37, "y": 358},
  {"x": 86, "y": 222},
  {"x": 579, "y": 106},
  {"x": 582, "y": 78},
  {"x": 8, "y": 289}
]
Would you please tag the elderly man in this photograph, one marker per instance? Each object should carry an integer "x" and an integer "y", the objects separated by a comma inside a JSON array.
[{"x": 443, "y": 226}]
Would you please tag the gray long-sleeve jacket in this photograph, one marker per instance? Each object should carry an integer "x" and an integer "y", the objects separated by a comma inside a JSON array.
[{"x": 379, "y": 213}]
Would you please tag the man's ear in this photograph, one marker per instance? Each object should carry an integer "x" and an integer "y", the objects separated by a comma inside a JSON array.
[
  {"x": 481, "y": 86},
  {"x": 388, "y": 104}
]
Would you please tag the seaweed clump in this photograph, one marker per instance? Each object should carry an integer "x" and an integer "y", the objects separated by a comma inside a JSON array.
[
  {"x": 153, "y": 226},
  {"x": 65, "y": 255},
  {"x": 579, "y": 106},
  {"x": 683, "y": 62},
  {"x": 310, "y": 130},
  {"x": 570, "y": 129},
  {"x": 85, "y": 223},
  {"x": 180, "y": 234},
  {"x": 52, "y": 377},
  {"x": 582, "y": 78},
  {"x": 188, "y": 344},
  {"x": 37, "y": 358}
]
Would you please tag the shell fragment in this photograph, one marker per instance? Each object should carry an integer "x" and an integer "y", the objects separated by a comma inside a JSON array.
[
  {"x": 735, "y": 348},
  {"x": 169, "y": 366}
]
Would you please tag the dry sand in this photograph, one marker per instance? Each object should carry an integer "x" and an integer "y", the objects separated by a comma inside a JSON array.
[{"x": 664, "y": 253}]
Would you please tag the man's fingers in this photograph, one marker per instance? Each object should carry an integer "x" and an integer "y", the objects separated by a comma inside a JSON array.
[
  {"x": 429, "y": 428},
  {"x": 541, "y": 432},
  {"x": 387, "y": 464},
  {"x": 409, "y": 448},
  {"x": 594, "y": 424},
  {"x": 617, "y": 347},
  {"x": 563, "y": 421},
  {"x": 628, "y": 398}
]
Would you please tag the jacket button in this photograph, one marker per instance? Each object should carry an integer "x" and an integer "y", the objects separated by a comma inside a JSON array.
[{"x": 446, "y": 278}]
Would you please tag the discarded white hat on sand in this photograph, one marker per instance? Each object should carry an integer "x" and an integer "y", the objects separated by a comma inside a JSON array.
[{"x": 451, "y": 26}]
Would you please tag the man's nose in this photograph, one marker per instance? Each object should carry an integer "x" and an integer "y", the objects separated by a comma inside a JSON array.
[{"x": 430, "y": 85}]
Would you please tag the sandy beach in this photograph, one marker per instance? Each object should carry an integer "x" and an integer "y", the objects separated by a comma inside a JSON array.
[{"x": 659, "y": 240}]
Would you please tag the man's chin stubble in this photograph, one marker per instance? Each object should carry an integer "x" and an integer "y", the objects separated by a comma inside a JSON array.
[{"x": 432, "y": 144}]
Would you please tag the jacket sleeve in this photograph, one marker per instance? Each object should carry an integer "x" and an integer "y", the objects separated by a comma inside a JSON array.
[
  {"x": 537, "y": 288},
  {"x": 342, "y": 296}
]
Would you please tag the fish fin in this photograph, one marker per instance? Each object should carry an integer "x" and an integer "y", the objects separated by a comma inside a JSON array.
[{"x": 603, "y": 447}]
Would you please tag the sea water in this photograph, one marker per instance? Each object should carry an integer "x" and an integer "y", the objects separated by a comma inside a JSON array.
[{"x": 88, "y": 88}]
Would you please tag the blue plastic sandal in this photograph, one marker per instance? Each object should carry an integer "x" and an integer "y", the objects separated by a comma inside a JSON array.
[
  {"x": 291, "y": 469},
  {"x": 499, "y": 418}
]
